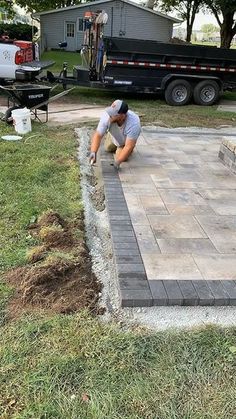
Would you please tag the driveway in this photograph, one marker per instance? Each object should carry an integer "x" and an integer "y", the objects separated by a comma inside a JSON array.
[{"x": 172, "y": 211}]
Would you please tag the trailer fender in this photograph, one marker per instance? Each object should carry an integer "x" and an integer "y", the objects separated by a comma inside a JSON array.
[{"x": 191, "y": 78}]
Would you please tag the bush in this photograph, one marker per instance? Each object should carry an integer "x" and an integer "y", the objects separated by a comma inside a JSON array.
[{"x": 20, "y": 31}]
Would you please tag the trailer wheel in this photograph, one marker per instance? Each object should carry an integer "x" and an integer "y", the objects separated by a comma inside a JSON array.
[
  {"x": 8, "y": 114},
  {"x": 206, "y": 93},
  {"x": 178, "y": 93}
]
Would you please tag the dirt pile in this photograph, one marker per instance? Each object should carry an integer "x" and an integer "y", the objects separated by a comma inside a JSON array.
[
  {"x": 175, "y": 40},
  {"x": 58, "y": 276}
]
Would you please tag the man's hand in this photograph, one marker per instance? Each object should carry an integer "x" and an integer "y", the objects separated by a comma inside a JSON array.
[
  {"x": 117, "y": 164},
  {"x": 93, "y": 157},
  {"x": 95, "y": 144},
  {"x": 126, "y": 150}
]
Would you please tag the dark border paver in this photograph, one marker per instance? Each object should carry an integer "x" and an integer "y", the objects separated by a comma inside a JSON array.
[
  {"x": 230, "y": 287},
  {"x": 134, "y": 286},
  {"x": 205, "y": 295},
  {"x": 175, "y": 296},
  {"x": 135, "y": 298},
  {"x": 135, "y": 289},
  {"x": 159, "y": 294},
  {"x": 220, "y": 294},
  {"x": 190, "y": 295}
]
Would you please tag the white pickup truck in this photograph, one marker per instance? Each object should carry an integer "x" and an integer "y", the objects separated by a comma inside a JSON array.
[{"x": 17, "y": 62}]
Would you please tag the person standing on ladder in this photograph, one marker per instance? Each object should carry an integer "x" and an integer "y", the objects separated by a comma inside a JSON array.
[{"x": 123, "y": 129}]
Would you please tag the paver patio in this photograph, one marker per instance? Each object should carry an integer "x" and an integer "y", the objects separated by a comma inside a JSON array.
[{"x": 172, "y": 211}]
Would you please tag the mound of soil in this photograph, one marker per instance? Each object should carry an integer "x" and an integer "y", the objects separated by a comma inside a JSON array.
[
  {"x": 58, "y": 277},
  {"x": 50, "y": 218},
  {"x": 175, "y": 40}
]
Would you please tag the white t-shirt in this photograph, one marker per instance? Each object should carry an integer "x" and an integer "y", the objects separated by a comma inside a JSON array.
[{"x": 130, "y": 129}]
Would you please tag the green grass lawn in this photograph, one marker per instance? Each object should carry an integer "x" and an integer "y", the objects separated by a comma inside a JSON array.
[
  {"x": 72, "y": 58},
  {"x": 70, "y": 367},
  {"x": 35, "y": 175}
]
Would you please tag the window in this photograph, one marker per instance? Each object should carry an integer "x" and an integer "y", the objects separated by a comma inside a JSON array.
[
  {"x": 70, "y": 30},
  {"x": 80, "y": 25}
]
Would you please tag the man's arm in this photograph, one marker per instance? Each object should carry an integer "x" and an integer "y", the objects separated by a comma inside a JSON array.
[
  {"x": 97, "y": 136},
  {"x": 126, "y": 151},
  {"x": 95, "y": 144},
  {"x": 96, "y": 141}
]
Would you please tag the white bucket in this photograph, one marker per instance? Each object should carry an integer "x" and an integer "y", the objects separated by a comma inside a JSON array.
[{"x": 21, "y": 120}]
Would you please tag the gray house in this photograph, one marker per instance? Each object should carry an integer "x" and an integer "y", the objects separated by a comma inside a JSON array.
[{"x": 126, "y": 19}]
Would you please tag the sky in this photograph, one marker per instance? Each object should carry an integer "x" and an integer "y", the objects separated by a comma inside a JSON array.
[{"x": 201, "y": 19}]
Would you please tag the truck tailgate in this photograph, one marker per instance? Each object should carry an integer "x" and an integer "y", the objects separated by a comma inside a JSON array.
[{"x": 39, "y": 64}]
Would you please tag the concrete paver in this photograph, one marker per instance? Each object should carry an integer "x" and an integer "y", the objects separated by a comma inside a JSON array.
[
  {"x": 153, "y": 205},
  {"x": 181, "y": 201},
  {"x": 217, "y": 266},
  {"x": 186, "y": 246},
  {"x": 224, "y": 243},
  {"x": 213, "y": 224},
  {"x": 170, "y": 266},
  {"x": 178, "y": 226},
  {"x": 146, "y": 239}
]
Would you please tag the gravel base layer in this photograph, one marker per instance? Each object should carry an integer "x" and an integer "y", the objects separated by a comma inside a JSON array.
[{"x": 100, "y": 246}]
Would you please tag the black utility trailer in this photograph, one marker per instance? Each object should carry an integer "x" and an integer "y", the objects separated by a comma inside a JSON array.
[{"x": 180, "y": 71}]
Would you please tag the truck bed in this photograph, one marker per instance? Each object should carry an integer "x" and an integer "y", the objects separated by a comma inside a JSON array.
[{"x": 159, "y": 52}]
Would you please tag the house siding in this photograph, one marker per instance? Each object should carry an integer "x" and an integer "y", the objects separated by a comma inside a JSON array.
[{"x": 128, "y": 22}]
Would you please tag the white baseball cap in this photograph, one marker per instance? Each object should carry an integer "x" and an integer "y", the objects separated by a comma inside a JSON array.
[{"x": 117, "y": 107}]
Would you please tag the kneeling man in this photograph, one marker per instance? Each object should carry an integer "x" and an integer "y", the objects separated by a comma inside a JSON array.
[{"x": 123, "y": 129}]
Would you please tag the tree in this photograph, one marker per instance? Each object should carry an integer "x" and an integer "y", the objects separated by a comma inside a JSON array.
[
  {"x": 209, "y": 29},
  {"x": 7, "y": 6},
  {"x": 18, "y": 31},
  {"x": 42, "y": 5},
  {"x": 224, "y": 11},
  {"x": 186, "y": 9}
]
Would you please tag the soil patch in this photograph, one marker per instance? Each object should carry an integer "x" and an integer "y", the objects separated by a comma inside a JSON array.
[
  {"x": 58, "y": 276},
  {"x": 97, "y": 194},
  {"x": 98, "y": 198}
]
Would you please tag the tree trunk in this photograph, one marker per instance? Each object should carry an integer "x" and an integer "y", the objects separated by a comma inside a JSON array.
[
  {"x": 191, "y": 11},
  {"x": 226, "y": 31},
  {"x": 189, "y": 32},
  {"x": 225, "y": 40}
]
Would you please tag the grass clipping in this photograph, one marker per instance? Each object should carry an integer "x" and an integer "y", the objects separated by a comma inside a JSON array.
[{"x": 58, "y": 276}]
